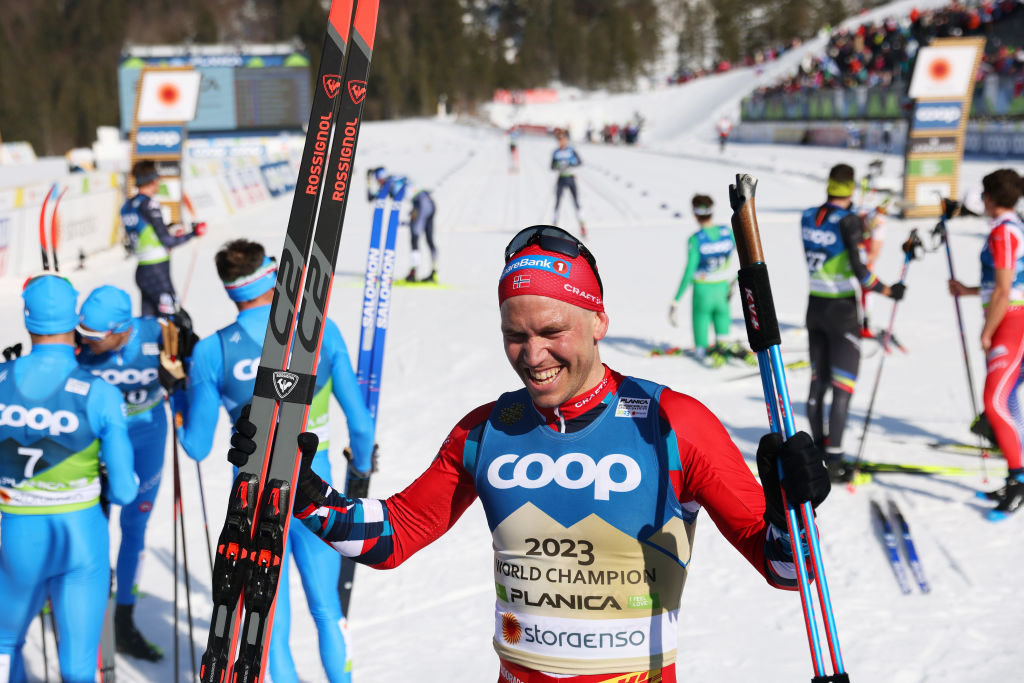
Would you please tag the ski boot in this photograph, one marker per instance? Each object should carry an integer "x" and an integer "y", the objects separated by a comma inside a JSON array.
[
  {"x": 840, "y": 470},
  {"x": 712, "y": 357},
  {"x": 411, "y": 277},
  {"x": 981, "y": 426},
  {"x": 746, "y": 355},
  {"x": 128, "y": 639},
  {"x": 431, "y": 278},
  {"x": 1010, "y": 498}
]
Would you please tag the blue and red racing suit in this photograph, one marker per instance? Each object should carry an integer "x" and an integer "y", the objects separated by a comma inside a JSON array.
[
  {"x": 1004, "y": 249},
  {"x": 592, "y": 509}
]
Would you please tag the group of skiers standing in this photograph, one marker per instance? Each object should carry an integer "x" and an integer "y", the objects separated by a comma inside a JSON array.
[
  {"x": 838, "y": 237},
  {"x": 84, "y": 425}
]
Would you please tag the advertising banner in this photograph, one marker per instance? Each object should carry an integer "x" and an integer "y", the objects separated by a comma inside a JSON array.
[
  {"x": 942, "y": 87},
  {"x": 166, "y": 100}
]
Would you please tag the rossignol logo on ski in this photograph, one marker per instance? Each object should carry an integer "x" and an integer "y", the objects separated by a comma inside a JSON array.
[
  {"x": 284, "y": 382},
  {"x": 748, "y": 301},
  {"x": 348, "y": 150},
  {"x": 332, "y": 84},
  {"x": 316, "y": 165},
  {"x": 357, "y": 91}
]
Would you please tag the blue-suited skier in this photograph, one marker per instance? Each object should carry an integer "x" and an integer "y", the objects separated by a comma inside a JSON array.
[
  {"x": 223, "y": 372},
  {"x": 125, "y": 351},
  {"x": 58, "y": 425}
]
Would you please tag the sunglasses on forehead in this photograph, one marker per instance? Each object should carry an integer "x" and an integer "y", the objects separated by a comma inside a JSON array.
[
  {"x": 92, "y": 335},
  {"x": 551, "y": 238}
]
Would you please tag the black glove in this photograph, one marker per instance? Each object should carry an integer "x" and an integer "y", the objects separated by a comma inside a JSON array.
[
  {"x": 242, "y": 445},
  {"x": 187, "y": 338},
  {"x": 309, "y": 487},
  {"x": 897, "y": 291},
  {"x": 804, "y": 475},
  {"x": 357, "y": 485},
  {"x": 13, "y": 351}
]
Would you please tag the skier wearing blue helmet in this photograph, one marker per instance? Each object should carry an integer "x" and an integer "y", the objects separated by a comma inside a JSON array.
[
  {"x": 58, "y": 426},
  {"x": 125, "y": 351}
]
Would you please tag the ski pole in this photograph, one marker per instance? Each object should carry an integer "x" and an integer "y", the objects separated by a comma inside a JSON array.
[
  {"x": 763, "y": 336},
  {"x": 948, "y": 210},
  {"x": 46, "y": 656},
  {"x": 206, "y": 522},
  {"x": 179, "y": 518},
  {"x": 910, "y": 248},
  {"x": 174, "y": 528}
]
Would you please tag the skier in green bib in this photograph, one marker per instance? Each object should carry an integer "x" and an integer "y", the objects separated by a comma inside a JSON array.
[{"x": 709, "y": 253}]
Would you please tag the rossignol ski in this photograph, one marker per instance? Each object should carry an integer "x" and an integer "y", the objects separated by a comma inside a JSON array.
[
  {"x": 252, "y": 543},
  {"x": 376, "y": 316}
]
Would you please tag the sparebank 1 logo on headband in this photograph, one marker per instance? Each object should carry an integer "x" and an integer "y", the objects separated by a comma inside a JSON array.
[
  {"x": 548, "y": 264},
  {"x": 937, "y": 115}
]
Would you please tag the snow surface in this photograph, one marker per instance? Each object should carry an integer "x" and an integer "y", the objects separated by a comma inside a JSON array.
[{"x": 431, "y": 619}]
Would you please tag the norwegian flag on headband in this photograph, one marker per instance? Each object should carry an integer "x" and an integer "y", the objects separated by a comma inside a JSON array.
[{"x": 168, "y": 95}]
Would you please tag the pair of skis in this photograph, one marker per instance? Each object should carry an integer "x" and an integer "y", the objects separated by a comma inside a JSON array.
[
  {"x": 252, "y": 544},
  {"x": 48, "y": 243},
  {"x": 375, "y": 317},
  {"x": 892, "y": 524}
]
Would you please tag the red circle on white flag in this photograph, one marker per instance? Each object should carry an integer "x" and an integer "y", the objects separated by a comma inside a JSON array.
[
  {"x": 940, "y": 69},
  {"x": 168, "y": 93}
]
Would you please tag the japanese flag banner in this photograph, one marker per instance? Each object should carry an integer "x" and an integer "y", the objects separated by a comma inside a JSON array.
[
  {"x": 945, "y": 71},
  {"x": 167, "y": 95}
]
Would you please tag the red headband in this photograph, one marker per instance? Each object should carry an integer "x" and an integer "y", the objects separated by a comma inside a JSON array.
[{"x": 546, "y": 273}]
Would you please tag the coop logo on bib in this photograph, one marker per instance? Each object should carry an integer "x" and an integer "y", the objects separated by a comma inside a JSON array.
[
  {"x": 39, "y": 419},
  {"x": 245, "y": 370},
  {"x": 127, "y": 376},
  {"x": 613, "y": 473}
]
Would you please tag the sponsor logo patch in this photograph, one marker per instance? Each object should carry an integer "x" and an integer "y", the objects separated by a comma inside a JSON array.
[
  {"x": 632, "y": 407},
  {"x": 284, "y": 382},
  {"x": 76, "y": 386},
  {"x": 548, "y": 264}
]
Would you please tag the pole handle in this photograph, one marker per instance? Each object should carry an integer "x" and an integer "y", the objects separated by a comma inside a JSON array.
[
  {"x": 755, "y": 289},
  {"x": 744, "y": 220}
]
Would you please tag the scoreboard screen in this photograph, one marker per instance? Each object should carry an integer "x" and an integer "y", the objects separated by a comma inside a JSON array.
[
  {"x": 243, "y": 92},
  {"x": 272, "y": 97}
]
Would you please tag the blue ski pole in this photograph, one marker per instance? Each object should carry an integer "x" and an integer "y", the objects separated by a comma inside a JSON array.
[
  {"x": 763, "y": 336},
  {"x": 910, "y": 248}
]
